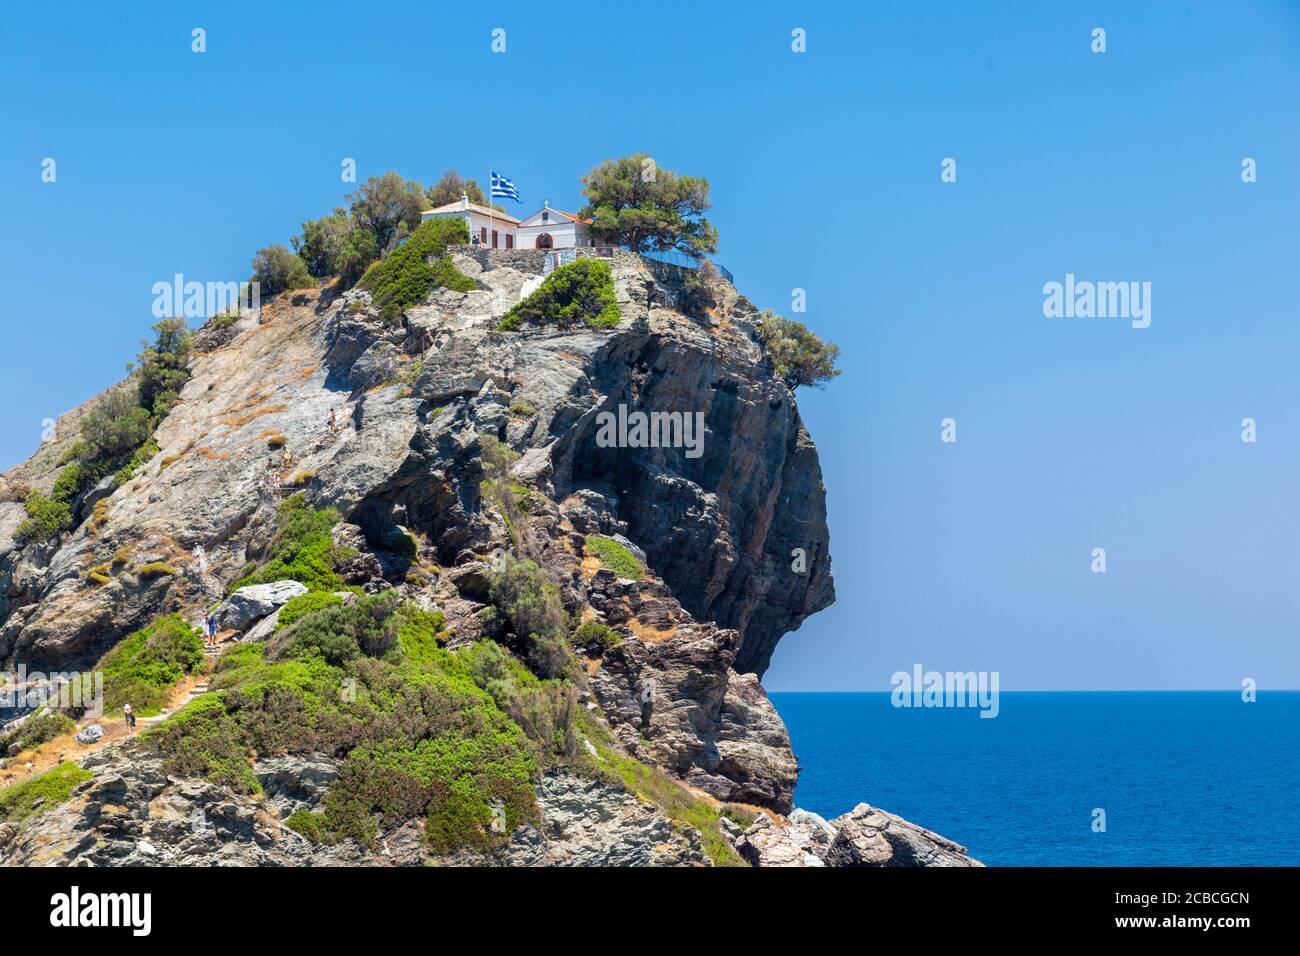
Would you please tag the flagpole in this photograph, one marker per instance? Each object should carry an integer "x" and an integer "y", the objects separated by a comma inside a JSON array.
[{"x": 489, "y": 205}]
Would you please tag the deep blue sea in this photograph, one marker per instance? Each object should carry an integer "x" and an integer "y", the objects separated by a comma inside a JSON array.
[{"x": 1185, "y": 778}]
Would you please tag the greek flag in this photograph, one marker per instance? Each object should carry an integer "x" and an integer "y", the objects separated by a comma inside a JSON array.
[{"x": 504, "y": 188}]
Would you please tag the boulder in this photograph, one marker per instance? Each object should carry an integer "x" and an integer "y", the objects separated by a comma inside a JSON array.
[
  {"x": 264, "y": 628},
  {"x": 256, "y": 601},
  {"x": 91, "y": 735},
  {"x": 869, "y": 836},
  {"x": 864, "y": 837},
  {"x": 766, "y": 843},
  {"x": 294, "y": 780}
]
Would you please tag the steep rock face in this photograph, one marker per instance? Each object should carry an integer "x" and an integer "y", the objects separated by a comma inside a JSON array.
[{"x": 414, "y": 400}]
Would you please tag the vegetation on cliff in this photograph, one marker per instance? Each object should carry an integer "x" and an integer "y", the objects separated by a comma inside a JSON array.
[
  {"x": 36, "y": 730},
  {"x": 405, "y": 276},
  {"x": 22, "y": 801},
  {"x": 799, "y": 356},
  {"x": 633, "y": 202},
  {"x": 615, "y": 557},
  {"x": 302, "y": 550},
  {"x": 116, "y": 434},
  {"x": 144, "y": 667},
  {"x": 580, "y": 293},
  {"x": 453, "y": 738}
]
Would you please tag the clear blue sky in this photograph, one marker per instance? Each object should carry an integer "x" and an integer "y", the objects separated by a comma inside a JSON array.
[{"x": 824, "y": 167}]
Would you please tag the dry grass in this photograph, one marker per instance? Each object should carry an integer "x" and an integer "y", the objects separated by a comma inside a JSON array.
[
  {"x": 257, "y": 398},
  {"x": 239, "y": 421},
  {"x": 650, "y": 635},
  {"x": 211, "y": 455}
]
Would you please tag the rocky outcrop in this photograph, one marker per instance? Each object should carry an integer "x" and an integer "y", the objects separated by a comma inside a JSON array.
[
  {"x": 865, "y": 836},
  {"x": 731, "y": 534},
  {"x": 131, "y": 813},
  {"x": 255, "y": 602},
  {"x": 589, "y": 823}
]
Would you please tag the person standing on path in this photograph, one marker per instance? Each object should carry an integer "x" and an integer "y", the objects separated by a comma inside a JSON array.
[
  {"x": 129, "y": 714},
  {"x": 647, "y": 704}
]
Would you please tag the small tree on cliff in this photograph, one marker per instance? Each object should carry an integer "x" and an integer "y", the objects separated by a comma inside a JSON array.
[
  {"x": 388, "y": 206},
  {"x": 275, "y": 269},
  {"x": 452, "y": 186},
  {"x": 164, "y": 367},
  {"x": 798, "y": 354},
  {"x": 636, "y": 203}
]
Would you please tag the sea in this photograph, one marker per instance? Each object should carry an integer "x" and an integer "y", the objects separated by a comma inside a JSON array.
[{"x": 1181, "y": 778}]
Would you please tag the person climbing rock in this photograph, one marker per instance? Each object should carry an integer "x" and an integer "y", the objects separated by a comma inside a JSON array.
[{"x": 647, "y": 704}]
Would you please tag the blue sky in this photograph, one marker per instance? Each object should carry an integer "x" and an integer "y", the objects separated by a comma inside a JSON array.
[{"x": 824, "y": 166}]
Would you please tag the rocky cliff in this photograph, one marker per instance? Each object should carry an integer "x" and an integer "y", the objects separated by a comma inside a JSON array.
[{"x": 715, "y": 535}]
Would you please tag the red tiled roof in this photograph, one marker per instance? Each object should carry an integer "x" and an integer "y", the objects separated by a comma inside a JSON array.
[{"x": 569, "y": 215}]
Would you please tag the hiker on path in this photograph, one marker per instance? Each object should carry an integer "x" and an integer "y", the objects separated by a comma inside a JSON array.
[
  {"x": 647, "y": 704},
  {"x": 129, "y": 714}
]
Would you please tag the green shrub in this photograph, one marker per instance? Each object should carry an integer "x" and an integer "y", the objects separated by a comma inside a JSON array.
[
  {"x": 343, "y": 632},
  {"x": 305, "y": 604},
  {"x": 302, "y": 550},
  {"x": 530, "y": 604},
  {"x": 404, "y": 277},
  {"x": 581, "y": 292},
  {"x": 306, "y": 823},
  {"x": 46, "y": 519},
  {"x": 144, "y": 667},
  {"x": 594, "y": 632},
  {"x": 419, "y": 736},
  {"x": 522, "y": 408},
  {"x": 798, "y": 355},
  {"x": 420, "y": 633},
  {"x": 40, "y": 794},
  {"x": 157, "y": 569},
  {"x": 451, "y": 779},
  {"x": 614, "y": 556}
]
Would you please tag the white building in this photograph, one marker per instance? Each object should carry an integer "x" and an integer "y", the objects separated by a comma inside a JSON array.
[
  {"x": 552, "y": 229},
  {"x": 545, "y": 229},
  {"x": 492, "y": 228}
]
